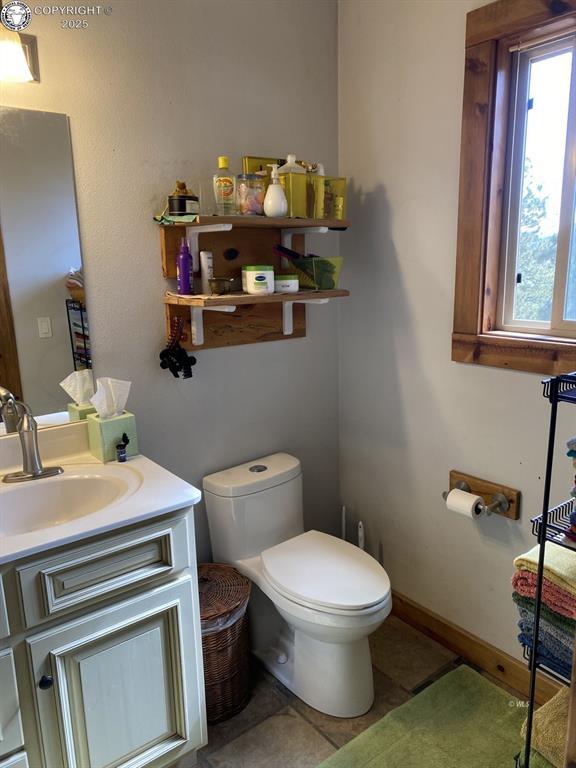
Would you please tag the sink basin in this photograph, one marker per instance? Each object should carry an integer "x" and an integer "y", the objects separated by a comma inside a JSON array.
[{"x": 80, "y": 491}]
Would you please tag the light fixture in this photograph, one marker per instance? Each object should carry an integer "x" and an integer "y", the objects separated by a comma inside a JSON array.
[{"x": 14, "y": 66}]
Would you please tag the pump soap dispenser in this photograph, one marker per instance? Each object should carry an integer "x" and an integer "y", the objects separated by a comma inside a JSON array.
[{"x": 275, "y": 203}]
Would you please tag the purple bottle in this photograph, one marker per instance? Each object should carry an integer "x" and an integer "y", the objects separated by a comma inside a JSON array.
[{"x": 184, "y": 269}]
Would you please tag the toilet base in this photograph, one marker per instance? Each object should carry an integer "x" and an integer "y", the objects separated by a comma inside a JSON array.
[{"x": 334, "y": 678}]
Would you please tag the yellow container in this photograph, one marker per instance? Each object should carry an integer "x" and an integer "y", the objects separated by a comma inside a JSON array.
[
  {"x": 295, "y": 187},
  {"x": 327, "y": 197},
  {"x": 253, "y": 164}
]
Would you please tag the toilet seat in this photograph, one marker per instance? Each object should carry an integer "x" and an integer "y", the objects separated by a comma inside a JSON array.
[{"x": 326, "y": 574}]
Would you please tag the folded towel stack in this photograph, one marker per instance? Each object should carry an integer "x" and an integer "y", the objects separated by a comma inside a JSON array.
[
  {"x": 550, "y": 729},
  {"x": 558, "y": 616}
]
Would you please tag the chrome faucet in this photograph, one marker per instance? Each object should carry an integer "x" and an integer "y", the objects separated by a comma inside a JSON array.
[
  {"x": 8, "y": 410},
  {"x": 32, "y": 468}
]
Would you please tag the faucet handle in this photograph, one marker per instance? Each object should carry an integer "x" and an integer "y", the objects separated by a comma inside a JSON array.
[
  {"x": 5, "y": 395},
  {"x": 26, "y": 420},
  {"x": 32, "y": 468}
]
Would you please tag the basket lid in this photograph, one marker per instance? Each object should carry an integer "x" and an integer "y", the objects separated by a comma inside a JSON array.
[{"x": 222, "y": 590}]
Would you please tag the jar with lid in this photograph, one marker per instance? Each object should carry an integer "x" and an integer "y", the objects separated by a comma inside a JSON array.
[{"x": 250, "y": 192}]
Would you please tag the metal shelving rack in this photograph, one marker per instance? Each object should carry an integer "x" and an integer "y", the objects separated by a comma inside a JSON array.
[
  {"x": 81, "y": 352},
  {"x": 552, "y": 526}
]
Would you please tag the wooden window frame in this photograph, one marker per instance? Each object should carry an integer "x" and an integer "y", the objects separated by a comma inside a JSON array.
[{"x": 490, "y": 33}]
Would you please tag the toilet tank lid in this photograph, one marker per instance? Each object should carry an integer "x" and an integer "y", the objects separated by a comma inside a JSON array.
[{"x": 253, "y": 476}]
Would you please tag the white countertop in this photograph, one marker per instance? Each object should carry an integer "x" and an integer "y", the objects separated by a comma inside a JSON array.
[{"x": 158, "y": 493}]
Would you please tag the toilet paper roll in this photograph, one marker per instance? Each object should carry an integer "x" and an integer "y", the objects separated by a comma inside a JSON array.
[{"x": 463, "y": 503}]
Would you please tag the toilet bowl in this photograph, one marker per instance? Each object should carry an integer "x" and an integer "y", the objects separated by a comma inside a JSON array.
[{"x": 316, "y": 598}]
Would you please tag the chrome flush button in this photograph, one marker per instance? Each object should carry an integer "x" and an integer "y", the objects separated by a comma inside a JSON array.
[{"x": 258, "y": 468}]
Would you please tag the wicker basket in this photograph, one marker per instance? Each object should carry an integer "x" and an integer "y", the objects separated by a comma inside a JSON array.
[{"x": 224, "y": 596}]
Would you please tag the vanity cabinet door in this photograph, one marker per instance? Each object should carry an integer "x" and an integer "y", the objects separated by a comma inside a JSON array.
[
  {"x": 124, "y": 686},
  {"x": 11, "y": 736}
]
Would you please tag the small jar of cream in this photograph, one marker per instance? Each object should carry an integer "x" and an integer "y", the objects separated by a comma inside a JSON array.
[
  {"x": 258, "y": 279},
  {"x": 286, "y": 284}
]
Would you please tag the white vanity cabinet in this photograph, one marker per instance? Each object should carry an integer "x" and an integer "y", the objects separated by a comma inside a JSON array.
[
  {"x": 122, "y": 682},
  {"x": 107, "y": 634}
]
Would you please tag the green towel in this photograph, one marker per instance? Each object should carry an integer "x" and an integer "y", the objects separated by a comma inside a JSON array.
[
  {"x": 559, "y": 566},
  {"x": 556, "y": 619},
  {"x": 185, "y": 218},
  {"x": 551, "y": 728}
]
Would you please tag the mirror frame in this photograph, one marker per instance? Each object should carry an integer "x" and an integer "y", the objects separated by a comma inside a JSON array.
[{"x": 9, "y": 364}]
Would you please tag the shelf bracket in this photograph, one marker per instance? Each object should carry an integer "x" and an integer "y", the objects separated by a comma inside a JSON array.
[
  {"x": 192, "y": 234},
  {"x": 288, "y": 312},
  {"x": 287, "y": 234},
  {"x": 197, "y": 321}
]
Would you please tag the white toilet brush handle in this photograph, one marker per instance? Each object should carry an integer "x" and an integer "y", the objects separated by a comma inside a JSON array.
[{"x": 361, "y": 536}]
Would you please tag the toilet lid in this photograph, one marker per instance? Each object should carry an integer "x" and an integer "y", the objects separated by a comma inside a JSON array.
[{"x": 325, "y": 571}]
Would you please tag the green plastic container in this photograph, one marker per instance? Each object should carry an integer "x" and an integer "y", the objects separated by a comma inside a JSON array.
[{"x": 318, "y": 273}]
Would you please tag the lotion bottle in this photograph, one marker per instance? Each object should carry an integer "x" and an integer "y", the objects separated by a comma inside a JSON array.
[{"x": 275, "y": 203}]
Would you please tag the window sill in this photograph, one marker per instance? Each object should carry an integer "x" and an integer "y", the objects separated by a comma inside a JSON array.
[{"x": 517, "y": 351}]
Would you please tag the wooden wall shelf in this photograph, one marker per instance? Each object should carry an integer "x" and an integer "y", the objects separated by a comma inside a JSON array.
[
  {"x": 235, "y": 299},
  {"x": 263, "y": 222},
  {"x": 232, "y": 320}
]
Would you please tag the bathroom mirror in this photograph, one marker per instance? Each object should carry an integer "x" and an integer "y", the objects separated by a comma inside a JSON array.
[{"x": 44, "y": 330}]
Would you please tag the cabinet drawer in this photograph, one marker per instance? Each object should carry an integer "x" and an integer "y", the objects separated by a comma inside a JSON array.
[
  {"x": 86, "y": 574},
  {"x": 11, "y": 736},
  {"x": 20, "y": 760}
]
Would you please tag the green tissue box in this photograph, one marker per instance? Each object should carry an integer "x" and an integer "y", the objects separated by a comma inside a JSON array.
[
  {"x": 79, "y": 412},
  {"x": 105, "y": 434}
]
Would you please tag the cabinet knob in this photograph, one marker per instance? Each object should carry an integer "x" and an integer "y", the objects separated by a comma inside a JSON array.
[{"x": 46, "y": 682}]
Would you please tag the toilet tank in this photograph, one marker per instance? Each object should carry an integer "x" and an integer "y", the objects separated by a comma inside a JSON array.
[{"x": 254, "y": 506}]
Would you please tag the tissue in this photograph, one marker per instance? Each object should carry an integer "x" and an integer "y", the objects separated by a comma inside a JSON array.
[
  {"x": 79, "y": 386},
  {"x": 110, "y": 397}
]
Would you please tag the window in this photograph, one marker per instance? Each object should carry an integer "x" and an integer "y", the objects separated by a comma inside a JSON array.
[
  {"x": 538, "y": 283},
  {"x": 515, "y": 293}
]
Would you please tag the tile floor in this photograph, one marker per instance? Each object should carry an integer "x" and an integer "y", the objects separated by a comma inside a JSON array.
[{"x": 277, "y": 730}]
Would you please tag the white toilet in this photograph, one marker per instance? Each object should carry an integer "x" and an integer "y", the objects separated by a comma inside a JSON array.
[{"x": 317, "y": 598}]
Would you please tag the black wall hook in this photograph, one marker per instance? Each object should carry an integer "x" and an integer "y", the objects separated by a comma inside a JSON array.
[{"x": 174, "y": 357}]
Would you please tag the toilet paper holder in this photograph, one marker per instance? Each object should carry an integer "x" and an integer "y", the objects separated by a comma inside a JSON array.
[{"x": 500, "y": 504}]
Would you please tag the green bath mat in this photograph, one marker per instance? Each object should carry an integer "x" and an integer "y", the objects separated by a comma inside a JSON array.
[{"x": 461, "y": 721}]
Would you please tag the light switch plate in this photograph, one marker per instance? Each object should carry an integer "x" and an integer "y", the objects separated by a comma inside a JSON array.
[{"x": 44, "y": 327}]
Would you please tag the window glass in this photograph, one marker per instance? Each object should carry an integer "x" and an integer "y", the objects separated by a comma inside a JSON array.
[
  {"x": 541, "y": 192},
  {"x": 570, "y": 306}
]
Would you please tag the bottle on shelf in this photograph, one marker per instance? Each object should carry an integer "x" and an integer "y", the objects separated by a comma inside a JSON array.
[
  {"x": 184, "y": 268},
  {"x": 291, "y": 166},
  {"x": 275, "y": 203},
  {"x": 225, "y": 188}
]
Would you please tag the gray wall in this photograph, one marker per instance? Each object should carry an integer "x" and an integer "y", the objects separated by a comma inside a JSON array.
[
  {"x": 409, "y": 414},
  {"x": 154, "y": 96},
  {"x": 154, "y": 99}
]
